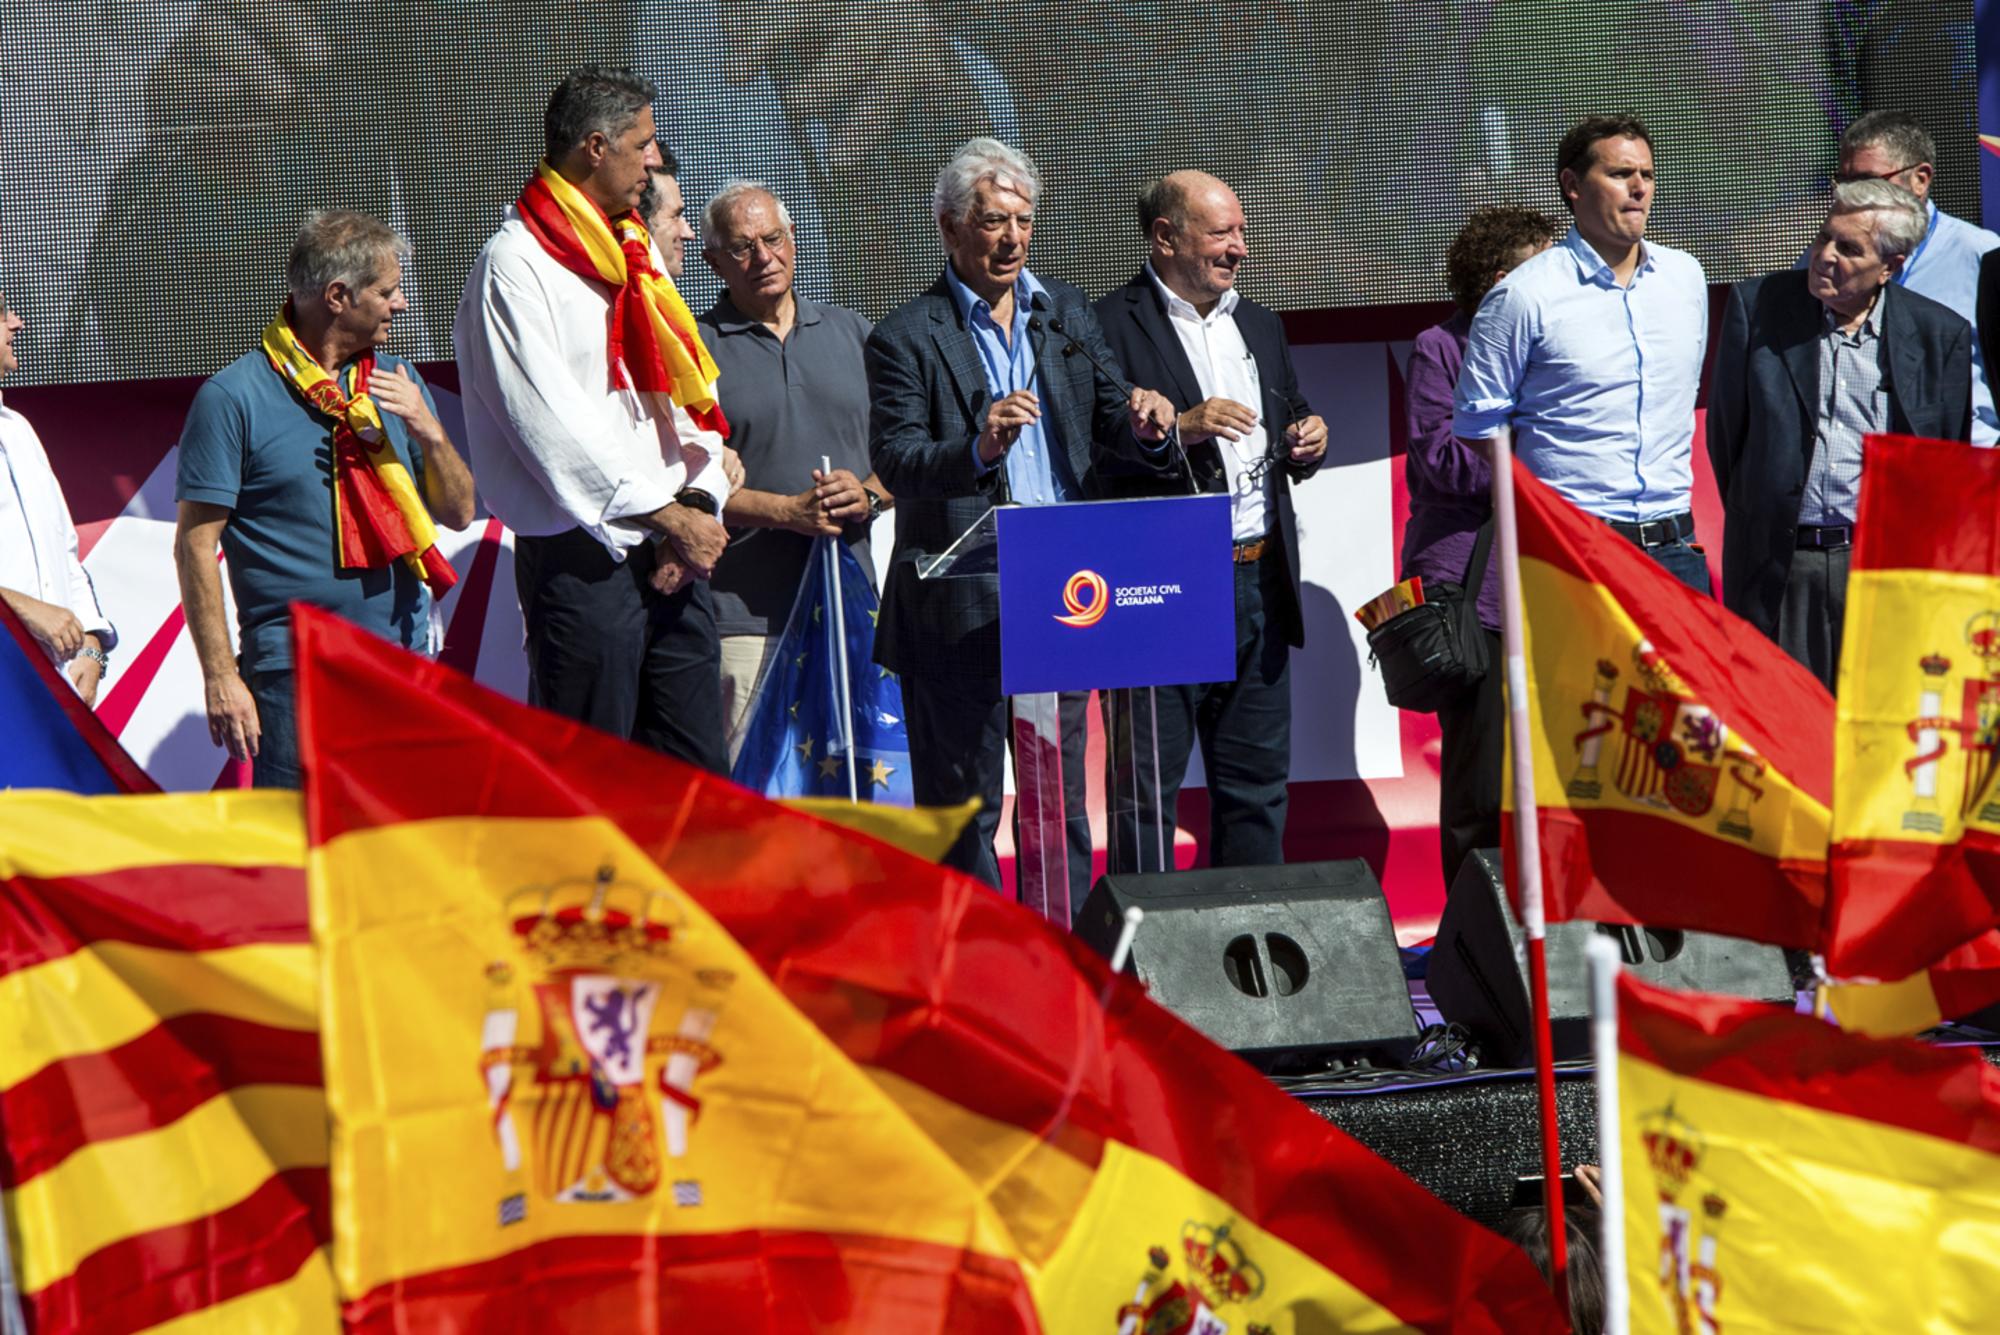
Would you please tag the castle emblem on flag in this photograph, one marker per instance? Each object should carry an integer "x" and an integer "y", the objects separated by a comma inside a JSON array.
[
  {"x": 592, "y": 1042},
  {"x": 1976, "y": 726},
  {"x": 1214, "y": 1273},
  {"x": 1673, "y": 752},
  {"x": 1690, "y": 1221}
]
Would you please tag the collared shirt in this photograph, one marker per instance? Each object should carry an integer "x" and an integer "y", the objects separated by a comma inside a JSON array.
[
  {"x": 1851, "y": 404},
  {"x": 1945, "y": 268},
  {"x": 554, "y": 444},
  {"x": 1598, "y": 381},
  {"x": 38, "y": 547},
  {"x": 789, "y": 402},
  {"x": 1038, "y": 471},
  {"x": 1224, "y": 368}
]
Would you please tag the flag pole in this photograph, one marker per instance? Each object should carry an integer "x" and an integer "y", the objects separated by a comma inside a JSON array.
[
  {"x": 1528, "y": 852},
  {"x": 843, "y": 691},
  {"x": 1610, "y": 1132}
]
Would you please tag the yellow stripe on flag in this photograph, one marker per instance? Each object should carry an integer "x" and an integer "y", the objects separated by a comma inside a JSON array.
[
  {"x": 1219, "y": 1260},
  {"x": 204, "y": 1162},
  {"x": 1755, "y": 1214},
  {"x": 305, "y": 1304},
  {"x": 1602, "y": 700},
  {"x": 1885, "y": 1010},
  {"x": 926, "y": 832},
  {"x": 46, "y": 834},
  {"x": 130, "y": 989},
  {"x": 437, "y": 935}
]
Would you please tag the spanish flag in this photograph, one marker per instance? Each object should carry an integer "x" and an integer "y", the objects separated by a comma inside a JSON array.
[
  {"x": 1916, "y": 831},
  {"x": 1963, "y": 982},
  {"x": 163, "y": 1136},
  {"x": 1683, "y": 762},
  {"x": 1784, "y": 1176},
  {"x": 614, "y": 1044}
]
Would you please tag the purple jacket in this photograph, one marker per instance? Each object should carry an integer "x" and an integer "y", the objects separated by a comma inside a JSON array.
[{"x": 1450, "y": 485}]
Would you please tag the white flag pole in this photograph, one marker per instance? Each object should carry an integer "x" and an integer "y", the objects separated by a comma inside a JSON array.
[
  {"x": 1610, "y": 1139},
  {"x": 1528, "y": 851},
  {"x": 843, "y": 692}
]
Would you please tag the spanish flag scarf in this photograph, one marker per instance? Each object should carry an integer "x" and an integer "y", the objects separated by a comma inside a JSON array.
[
  {"x": 377, "y": 514},
  {"x": 652, "y": 331}
]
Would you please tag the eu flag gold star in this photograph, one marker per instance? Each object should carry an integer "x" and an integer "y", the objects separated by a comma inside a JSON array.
[
  {"x": 874, "y": 615},
  {"x": 805, "y": 749},
  {"x": 829, "y": 766},
  {"x": 816, "y": 611},
  {"x": 879, "y": 772}
]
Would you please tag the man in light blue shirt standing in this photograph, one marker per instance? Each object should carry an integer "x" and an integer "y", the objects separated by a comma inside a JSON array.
[
  {"x": 1892, "y": 146},
  {"x": 1591, "y": 353}
]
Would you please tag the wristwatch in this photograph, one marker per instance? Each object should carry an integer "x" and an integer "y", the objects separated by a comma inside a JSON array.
[
  {"x": 103, "y": 659},
  {"x": 694, "y": 498},
  {"x": 878, "y": 504}
]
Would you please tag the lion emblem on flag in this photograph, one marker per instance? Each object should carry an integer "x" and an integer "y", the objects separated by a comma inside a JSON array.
[{"x": 593, "y": 1041}]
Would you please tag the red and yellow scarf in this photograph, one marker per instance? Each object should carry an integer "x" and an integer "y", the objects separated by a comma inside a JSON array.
[
  {"x": 652, "y": 331},
  {"x": 377, "y": 514}
]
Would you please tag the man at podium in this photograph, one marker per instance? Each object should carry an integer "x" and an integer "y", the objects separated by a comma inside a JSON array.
[{"x": 975, "y": 402}]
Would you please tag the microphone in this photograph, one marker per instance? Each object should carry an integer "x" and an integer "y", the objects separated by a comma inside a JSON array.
[{"x": 1074, "y": 346}]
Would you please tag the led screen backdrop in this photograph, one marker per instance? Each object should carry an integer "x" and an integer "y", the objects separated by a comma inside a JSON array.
[{"x": 158, "y": 154}]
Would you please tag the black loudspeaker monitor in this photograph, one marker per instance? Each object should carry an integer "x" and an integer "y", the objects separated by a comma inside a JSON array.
[
  {"x": 1475, "y": 975},
  {"x": 1293, "y": 968}
]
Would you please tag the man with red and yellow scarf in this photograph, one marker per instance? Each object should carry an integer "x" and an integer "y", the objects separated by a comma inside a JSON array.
[
  {"x": 591, "y": 418},
  {"x": 318, "y": 464}
]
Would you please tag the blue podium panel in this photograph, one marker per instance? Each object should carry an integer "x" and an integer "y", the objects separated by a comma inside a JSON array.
[{"x": 1107, "y": 594}]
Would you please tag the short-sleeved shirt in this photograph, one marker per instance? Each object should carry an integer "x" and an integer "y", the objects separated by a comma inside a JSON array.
[
  {"x": 253, "y": 445},
  {"x": 788, "y": 403}
]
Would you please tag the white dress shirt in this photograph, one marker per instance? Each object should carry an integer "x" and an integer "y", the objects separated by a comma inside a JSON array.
[
  {"x": 37, "y": 540},
  {"x": 553, "y": 445},
  {"x": 1224, "y": 369}
]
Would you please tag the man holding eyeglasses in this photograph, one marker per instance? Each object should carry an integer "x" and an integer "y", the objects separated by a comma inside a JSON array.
[
  {"x": 1891, "y": 146},
  {"x": 794, "y": 386}
]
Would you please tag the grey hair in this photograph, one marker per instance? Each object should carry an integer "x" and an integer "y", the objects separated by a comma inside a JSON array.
[
  {"x": 1897, "y": 132},
  {"x": 980, "y": 160},
  {"x": 734, "y": 191},
  {"x": 594, "y": 99},
  {"x": 1899, "y": 217},
  {"x": 340, "y": 246}
]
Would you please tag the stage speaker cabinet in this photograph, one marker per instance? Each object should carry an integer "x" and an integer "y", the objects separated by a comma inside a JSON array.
[
  {"x": 1475, "y": 977},
  {"x": 1293, "y": 968}
]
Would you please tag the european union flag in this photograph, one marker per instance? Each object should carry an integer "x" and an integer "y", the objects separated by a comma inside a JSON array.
[
  {"x": 53, "y": 740},
  {"x": 796, "y": 745}
]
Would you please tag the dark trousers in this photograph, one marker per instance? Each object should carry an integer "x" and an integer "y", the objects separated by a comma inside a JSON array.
[
  {"x": 1470, "y": 764},
  {"x": 1814, "y": 608},
  {"x": 1245, "y": 730},
  {"x": 605, "y": 649},
  {"x": 275, "y": 694},
  {"x": 958, "y": 737},
  {"x": 1685, "y": 562}
]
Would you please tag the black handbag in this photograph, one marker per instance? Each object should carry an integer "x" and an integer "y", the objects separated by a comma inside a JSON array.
[{"x": 1433, "y": 653}]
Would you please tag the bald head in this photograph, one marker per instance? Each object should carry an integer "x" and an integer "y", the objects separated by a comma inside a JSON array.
[{"x": 1195, "y": 228}]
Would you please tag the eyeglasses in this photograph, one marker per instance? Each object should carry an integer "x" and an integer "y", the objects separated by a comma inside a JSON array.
[
  {"x": 775, "y": 242},
  {"x": 1849, "y": 178}
]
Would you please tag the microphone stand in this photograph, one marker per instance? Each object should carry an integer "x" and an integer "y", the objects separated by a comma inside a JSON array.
[{"x": 1072, "y": 345}]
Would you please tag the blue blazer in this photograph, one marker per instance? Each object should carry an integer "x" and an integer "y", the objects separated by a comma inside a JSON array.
[{"x": 927, "y": 405}]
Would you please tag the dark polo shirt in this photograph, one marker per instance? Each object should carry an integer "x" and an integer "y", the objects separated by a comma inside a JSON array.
[{"x": 787, "y": 403}]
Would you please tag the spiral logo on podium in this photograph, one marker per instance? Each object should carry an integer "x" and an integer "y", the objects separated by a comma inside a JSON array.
[{"x": 1085, "y": 611}]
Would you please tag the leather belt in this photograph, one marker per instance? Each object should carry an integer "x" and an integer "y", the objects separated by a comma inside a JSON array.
[
  {"x": 1825, "y": 536},
  {"x": 1656, "y": 532},
  {"x": 1253, "y": 550}
]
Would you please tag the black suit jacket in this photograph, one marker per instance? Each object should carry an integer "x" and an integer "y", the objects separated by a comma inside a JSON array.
[
  {"x": 927, "y": 405},
  {"x": 1138, "y": 329},
  {"x": 1762, "y": 410}
]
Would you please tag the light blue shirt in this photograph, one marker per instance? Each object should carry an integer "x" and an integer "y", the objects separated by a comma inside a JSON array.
[
  {"x": 1597, "y": 381},
  {"x": 1945, "y": 268},
  {"x": 1038, "y": 471}
]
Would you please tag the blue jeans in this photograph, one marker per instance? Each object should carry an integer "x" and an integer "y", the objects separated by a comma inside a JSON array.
[
  {"x": 1685, "y": 562},
  {"x": 277, "y": 761}
]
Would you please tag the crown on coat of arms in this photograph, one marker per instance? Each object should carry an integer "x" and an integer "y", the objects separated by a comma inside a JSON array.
[
  {"x": 598, "y": 926},
  {"x": 1934, "y": 665},
  {"x": 1654, "y": 670},
  {"x": 1673, "y": 1147},
  {"x": 1220, "y": 1271}
]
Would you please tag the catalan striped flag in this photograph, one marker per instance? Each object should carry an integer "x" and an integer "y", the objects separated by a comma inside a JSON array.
[
  {"x": 1683, "y": 762},
  {"x": 1784, "y": 1176},
  {"x": 614, "y": 1044},
  {"x": 163, "y": 1143},
  {"x": 1916, "y": 831}
]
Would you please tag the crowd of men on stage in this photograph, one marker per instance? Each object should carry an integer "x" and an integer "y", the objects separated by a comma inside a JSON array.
[{"x": 665, "y": 475}]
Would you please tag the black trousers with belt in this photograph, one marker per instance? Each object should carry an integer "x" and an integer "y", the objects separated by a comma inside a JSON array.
[{"x": 605, "y": 648}]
